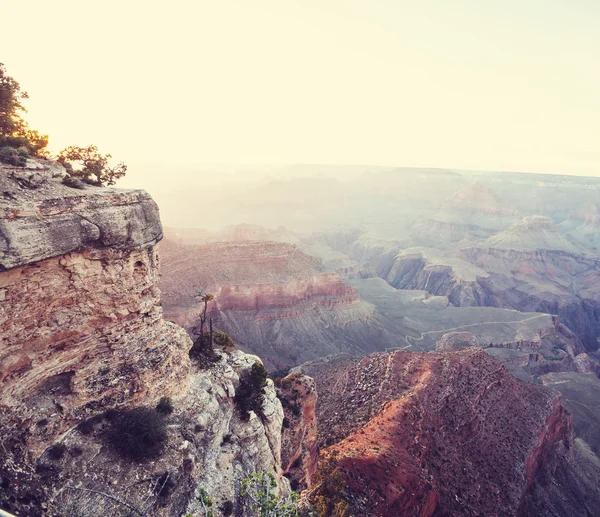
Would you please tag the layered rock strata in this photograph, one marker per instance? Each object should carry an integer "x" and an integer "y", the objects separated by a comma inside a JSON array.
[
  {"x": 83, "y": 337},
  {"x": 270, "y": 297}
]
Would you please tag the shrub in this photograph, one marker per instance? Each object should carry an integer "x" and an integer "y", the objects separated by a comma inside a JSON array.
[
  {"x": 164, "y": 406},
  {"x": 227, "y": 508},
  {"x": 93, "y": 167},
  {"x": 202, "y": 351},
  {"x": 14, "y": 131},
  {"x": 87, "y": 426},
  {"x": 57, "y": 451},
  {"x": 223, "y": 341},
  {"x": 138, "y": 433},
  {"x": 259, "y": 494},
  {"x": 73, "y": 182},
  {"x": 11, "y": 156},
  {"x": 328, "y": 494},
  {"x": 250, "y": 393}
]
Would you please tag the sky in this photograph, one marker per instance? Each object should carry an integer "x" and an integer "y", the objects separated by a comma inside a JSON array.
[{"x": 465, "y": 84}]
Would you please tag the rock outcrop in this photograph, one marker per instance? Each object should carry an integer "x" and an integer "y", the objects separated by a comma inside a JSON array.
[
  {"x": 300, "y": 452},
  {"x": 83, "y": 338},
  {"x": 449, "y": 434},
  {"x": 80, "y": 313},
  {"x": 543, "y": 280},
  {"x": 532, "y": 234}
]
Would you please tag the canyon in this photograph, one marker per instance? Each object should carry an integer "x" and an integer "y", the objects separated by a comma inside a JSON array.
[{"x": 428, "y": 366}]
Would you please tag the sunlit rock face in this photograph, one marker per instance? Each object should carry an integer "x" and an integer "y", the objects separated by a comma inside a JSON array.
[
  {"x": 449, "y": 434},
  {"x": 82, "y": 334},
  {"x": 81, "y": 320}
]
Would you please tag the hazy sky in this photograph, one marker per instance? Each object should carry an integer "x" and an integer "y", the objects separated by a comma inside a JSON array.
[{"x": 480, "y": 84}]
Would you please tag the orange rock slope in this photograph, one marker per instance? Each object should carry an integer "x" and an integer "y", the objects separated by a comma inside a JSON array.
[{"x": 446, "y": 434}]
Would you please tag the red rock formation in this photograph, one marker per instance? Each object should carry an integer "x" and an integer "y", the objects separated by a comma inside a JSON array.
[
  {"x": 272, "y": 279},
  {"x": 437, "y": 434}
]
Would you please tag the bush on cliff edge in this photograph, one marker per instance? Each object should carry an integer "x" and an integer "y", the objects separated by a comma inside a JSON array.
[
  {"x": 250, "y": 394},
  {"x": 138, "y": 434}
]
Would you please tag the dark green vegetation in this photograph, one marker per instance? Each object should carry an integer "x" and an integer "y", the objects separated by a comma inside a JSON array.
[
  {"x": 138, "y": 434},
  {"x": 12, "y": 156},
  {"x": 251, "y": 391},
  {"x": 18, "y": 142},
  {"x": 164, "y": 406},
  {"x": 330, "y": 487},
  {"x": 88, "y": 165},
  {"x": 14, "y": 131},
  {"x": 202, "y": 351},
  {"x": 57, "y": 451}
]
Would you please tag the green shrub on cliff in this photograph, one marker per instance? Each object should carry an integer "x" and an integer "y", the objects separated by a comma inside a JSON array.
[
  {"x": 87, "y": 164},
  {"x": 12, "y": 156},
  {"x": 259, "y": 494},
  {"x": 251, "y": 391},
  {"x": 329, "y": 491},
  {"x": 14, "y": 131}
]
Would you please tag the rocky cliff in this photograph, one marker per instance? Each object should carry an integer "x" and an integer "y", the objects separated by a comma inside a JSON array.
[
  {"x": 449, "y": 434},
  {"x": 83, "y": 338},
  {"x": 300, "y": 452}
]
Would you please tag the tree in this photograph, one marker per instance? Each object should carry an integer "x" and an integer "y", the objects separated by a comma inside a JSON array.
[
  {"x": 89, "y": 165},
  {"x": 203, "y": 347},
  {"x": 259, "y": 491},
  {"x": 14, "y": 131},
  {"x": 328, "y": 494},
  {"x": 250, "y": 394}
]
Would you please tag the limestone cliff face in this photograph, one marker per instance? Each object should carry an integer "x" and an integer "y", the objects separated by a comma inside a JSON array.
[
  {"x": 82, "y": 334},
  {"x": 208, "y": 447},
  {"x": 80, "y": 314}
]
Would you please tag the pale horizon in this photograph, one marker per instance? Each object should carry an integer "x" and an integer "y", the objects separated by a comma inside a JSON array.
[{"x": 472, "y": 86}]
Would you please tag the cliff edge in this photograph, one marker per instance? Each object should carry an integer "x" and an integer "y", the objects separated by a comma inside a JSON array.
[{"x": 83, "y": 339}]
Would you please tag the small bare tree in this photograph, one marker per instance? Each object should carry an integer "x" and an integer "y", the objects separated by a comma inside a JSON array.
[{"x": 203, "y": 347}]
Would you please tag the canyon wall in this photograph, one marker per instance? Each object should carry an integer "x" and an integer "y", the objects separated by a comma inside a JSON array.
[
  {"x": 83, "y": 338},
  {"x": 270, "y": 297},
  {"x": 546, "y": 281}
]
